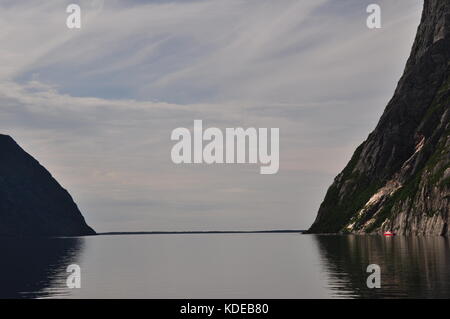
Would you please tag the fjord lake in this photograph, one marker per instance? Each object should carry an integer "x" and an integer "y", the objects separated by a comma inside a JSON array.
[{"x": 239, "y": 265}]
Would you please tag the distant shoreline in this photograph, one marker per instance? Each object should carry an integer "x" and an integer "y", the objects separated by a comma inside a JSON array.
[{"x": 287, "y": 231}]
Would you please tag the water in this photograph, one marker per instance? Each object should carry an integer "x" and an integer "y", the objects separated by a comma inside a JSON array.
[{"x": 225, "y": 266}]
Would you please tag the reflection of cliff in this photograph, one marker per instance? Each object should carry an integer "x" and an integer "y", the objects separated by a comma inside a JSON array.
[
  {"x": 411, "y": 267},
  {"x": 30, "y": 268}
]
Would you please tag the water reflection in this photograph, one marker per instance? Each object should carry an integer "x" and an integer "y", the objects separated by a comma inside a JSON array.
[
  {"x": 226, "y": 266},
  {"x": 31, "y": 268},
  {"x": 411, "y": 267}
]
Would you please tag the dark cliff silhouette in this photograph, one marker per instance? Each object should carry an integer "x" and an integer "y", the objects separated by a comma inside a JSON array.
[
  {"x": 32, "y": 203},
  {"x": 399, "y": 178}
]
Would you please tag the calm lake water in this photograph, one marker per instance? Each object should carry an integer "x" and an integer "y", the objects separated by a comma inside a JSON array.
[{"x": 225, "y": 266}]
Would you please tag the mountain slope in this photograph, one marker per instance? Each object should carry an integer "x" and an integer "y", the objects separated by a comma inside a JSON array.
[
  {"x": 399, "y": 178},
  {"x": 31, "y": 200}
]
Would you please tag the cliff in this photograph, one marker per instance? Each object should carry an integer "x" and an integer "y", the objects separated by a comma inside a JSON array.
[
  {"x": 399, "y": 178},
  {"x": 32, "y": 203}
]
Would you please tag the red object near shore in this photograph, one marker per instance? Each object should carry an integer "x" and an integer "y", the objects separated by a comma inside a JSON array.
[{"x": 388, "y": 234}]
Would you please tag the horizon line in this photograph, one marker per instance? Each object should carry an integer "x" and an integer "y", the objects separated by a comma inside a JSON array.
[{"x": 202, "y": 232}]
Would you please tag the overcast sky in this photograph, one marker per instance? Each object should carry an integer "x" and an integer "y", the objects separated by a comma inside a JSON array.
[{"x": 96, "y": 106}]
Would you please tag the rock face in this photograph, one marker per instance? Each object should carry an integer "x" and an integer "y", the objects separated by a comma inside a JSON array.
[
  {"x": 32, "y": 203},
  {"x": 399, "y": 178}
]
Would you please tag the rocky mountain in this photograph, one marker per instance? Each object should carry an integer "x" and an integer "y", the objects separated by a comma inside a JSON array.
[
  {"x": 32, "y": 203},
  {"x": 399, "y": 178}
]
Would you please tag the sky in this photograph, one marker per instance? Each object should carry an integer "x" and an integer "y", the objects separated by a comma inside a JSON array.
[{"x": 96, "y": 105}]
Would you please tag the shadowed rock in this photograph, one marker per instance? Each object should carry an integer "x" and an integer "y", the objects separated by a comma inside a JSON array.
[{"x": 32, "y": 203}]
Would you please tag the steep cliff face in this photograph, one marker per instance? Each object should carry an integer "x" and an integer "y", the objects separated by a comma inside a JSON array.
[
  {"x": 399, "y": 178},
  {"x": 31, "y": 200}
]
